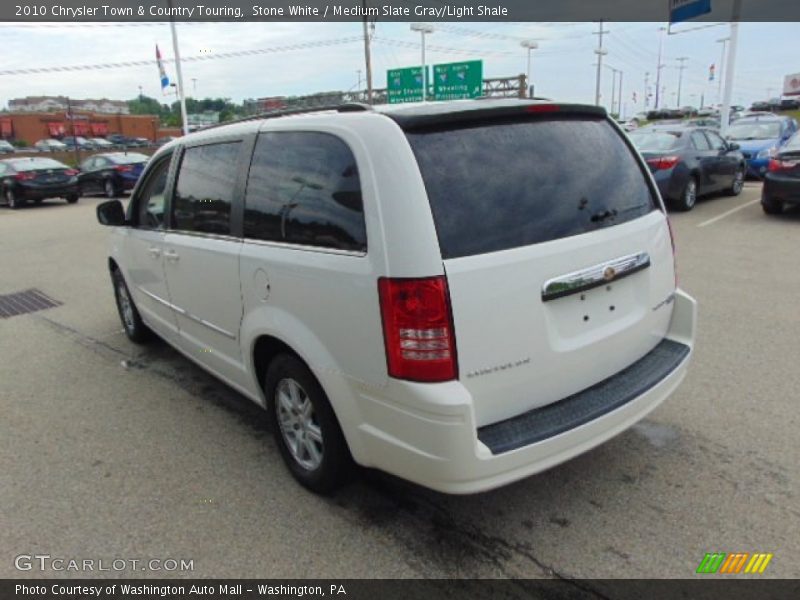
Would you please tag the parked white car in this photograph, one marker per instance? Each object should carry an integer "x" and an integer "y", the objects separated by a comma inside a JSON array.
[
  {"x": 461, "y": 294},
  {"x": 50, "y": 145}
]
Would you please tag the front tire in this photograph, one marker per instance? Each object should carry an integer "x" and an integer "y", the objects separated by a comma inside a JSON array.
[
  {"x": 135, "y": 328},
  {"x": 307, "y": 432},
  {"x": 689, "y": 196},
  {"x": 72, "y": 198},
  {"x": 772, "y": 206}
]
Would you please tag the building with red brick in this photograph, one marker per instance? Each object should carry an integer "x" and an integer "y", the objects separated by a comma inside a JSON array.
[{"x": 34, "y": 126}]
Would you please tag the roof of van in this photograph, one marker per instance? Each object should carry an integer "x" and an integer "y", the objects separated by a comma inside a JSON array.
[{"x": 414, "y": 115}]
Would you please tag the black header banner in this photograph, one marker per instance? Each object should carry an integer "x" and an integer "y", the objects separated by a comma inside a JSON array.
[
  {"x": 414, "y": 589},
  {"x": 388, "y": 10}
]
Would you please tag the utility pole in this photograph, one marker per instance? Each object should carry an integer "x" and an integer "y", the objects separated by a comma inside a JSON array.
[
  {"x": 724, "y": 42},
  {"x": 646, "y": 89},
  {"x": 600, "y": 51},
  {"x": 367, "y": 54},
  {"x": 659, "y": 66},
  {"x": 681, "y": 60},
  {"x": 619, "y": 96}
]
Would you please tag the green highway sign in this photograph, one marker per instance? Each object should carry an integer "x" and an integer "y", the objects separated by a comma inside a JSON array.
[
  {"x": 404, "y": 85},
  {"x": 453, "y": 81}
]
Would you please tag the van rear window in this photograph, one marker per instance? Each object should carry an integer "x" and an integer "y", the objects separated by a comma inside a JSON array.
[{"x": 499, "y": 185}]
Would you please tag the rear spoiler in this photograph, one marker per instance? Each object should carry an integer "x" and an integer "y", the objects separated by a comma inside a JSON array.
[{"x": 421, "y": 120}]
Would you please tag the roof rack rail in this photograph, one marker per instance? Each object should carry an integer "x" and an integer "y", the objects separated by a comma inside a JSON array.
[{"x": 273, "y": 114}]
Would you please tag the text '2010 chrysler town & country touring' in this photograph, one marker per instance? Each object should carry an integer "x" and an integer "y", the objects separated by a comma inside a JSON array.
[{"x": 460, "y": 293}]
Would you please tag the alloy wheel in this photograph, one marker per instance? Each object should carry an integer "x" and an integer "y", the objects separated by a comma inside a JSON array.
[{"x": 298, "y": 424}]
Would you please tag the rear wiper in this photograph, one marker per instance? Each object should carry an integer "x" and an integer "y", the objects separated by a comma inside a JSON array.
[{"x": 602, "y": 216}]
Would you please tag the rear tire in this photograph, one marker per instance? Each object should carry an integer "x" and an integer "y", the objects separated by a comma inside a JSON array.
[
  {"x": 72, "y": 199},
  {"x": 306, "y": 430},
  {"x": 689, "y": 196},
  {"x": 12, "y": 200},
  {"x": 110, "y": 189},
  {"x": 135, "y": 328},
  {"x": 772, "y": 206},
  {"x": 738, "y": 183}
]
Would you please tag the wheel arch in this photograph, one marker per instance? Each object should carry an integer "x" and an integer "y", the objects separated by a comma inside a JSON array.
[{"x": 265, "y": 346}]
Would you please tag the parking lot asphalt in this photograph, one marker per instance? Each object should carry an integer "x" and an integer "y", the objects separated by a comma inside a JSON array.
[{"x": 109, "y": 450}]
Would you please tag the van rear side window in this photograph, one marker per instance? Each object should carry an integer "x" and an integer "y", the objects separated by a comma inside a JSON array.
[{"x": 499, "y": 185}]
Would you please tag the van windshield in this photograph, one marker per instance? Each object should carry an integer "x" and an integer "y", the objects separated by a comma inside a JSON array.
[{"x": 502, "y": 184}]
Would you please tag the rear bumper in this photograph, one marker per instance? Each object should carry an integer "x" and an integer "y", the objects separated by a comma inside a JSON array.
[
  {"x": 781, "y": 188},
  {"x": 427, "y": 433},
  {"x": 47, "y": 191}
]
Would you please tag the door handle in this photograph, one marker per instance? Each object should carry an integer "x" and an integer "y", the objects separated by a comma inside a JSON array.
[
  {"x": 172, "y": 256},
  {"x": 154, "y": 252}
]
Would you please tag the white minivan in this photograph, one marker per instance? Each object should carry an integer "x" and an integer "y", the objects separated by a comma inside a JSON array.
[{"x": 459, "y": 293}]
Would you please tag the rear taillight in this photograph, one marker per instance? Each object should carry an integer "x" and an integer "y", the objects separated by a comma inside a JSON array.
[
  {"x": 418, "y": 329},
  {"x": 543, "y": 108},
  {"x": 776, "y": 165},
  {"x": 663, "y": 162},
  {"x": 70, "y": 172},
  {"x": 123, "y": 168},
  {"x": 25, "y": 176}
]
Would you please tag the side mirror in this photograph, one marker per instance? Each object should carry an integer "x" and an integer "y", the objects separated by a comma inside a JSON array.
[
  {"x": 733, "y": 146},
  {"x": 111, "y": 213}
]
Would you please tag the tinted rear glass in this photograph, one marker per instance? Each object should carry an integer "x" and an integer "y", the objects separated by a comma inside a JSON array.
[
  {"x": 502, "y": 185},
  {"x": 655, "y": 141},
  {"x": 127, "y": 159},
  {"x": 38, "y": 163}
]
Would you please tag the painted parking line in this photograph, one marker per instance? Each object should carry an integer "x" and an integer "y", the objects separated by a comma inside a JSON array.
[{"x": 728, "y": 213}]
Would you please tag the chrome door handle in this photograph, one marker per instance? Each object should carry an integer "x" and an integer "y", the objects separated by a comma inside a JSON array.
[
  {"x": 154, "y": 252},
  {"x": 172, "y": 256}
]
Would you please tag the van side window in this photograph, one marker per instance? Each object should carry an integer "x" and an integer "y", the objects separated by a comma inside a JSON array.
[
  {"x": 304, "y": 188},
  {"x": 204, "y": 191},
  {"x": 150, "y": 207}
]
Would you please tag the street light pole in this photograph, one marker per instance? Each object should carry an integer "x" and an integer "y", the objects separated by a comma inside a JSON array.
[
  {"x": 423, "y": 28},
  {"x": 681, "y": 60},
  {"x": 724, "y": 42},
  {"x": 725, "y": 110},
  {"x": 530, "y": 45},
  {"x": 179, "y": 71},
  {"x": 659, "y": 66}
]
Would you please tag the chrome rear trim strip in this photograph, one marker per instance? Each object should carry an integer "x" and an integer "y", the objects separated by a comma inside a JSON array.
[{"x": 594, "y": 276}]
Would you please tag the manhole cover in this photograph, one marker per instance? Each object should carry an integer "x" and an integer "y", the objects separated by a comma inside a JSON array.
[{"x": 28, "y": 301}]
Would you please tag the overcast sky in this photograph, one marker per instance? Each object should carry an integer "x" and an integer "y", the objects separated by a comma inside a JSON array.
[{"x": 562, "y": 66}]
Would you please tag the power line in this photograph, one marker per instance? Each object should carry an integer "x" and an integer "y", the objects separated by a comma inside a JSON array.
[
  {"x": 404, "y": 44},
  {"x": 203, "y": 57}
]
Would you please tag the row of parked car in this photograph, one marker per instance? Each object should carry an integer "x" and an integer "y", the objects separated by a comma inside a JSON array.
[
  {"x": 689, "y": 160},
  {"x": 110, "y": 142},
  {"x": 34, "y": 178}
]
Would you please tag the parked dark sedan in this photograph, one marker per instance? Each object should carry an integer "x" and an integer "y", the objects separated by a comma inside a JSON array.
[
  {"x": 688, "y": 162},
  {"x": 111, "y": 173},
  {"x": 34, "y": 178},
  {"x": 782, "y": 179}
]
